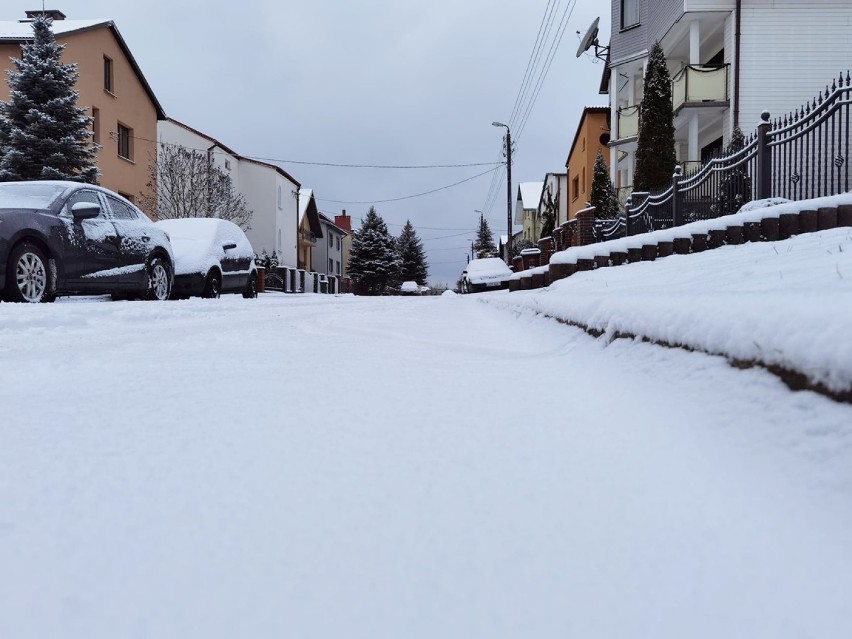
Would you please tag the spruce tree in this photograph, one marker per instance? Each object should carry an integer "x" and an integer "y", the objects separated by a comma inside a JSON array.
[
  {"x": 603, "y": 196},
  {"x": 655, "y": 154},
  {"x": 413, "y": 267},
  {"x": 373, "y": 259},
  {"x": 484, "y": 245},
  {"x": 550, "y": 212},
  {"x": 44, "y": 135}
]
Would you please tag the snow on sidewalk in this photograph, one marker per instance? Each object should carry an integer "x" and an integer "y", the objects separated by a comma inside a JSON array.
[{"x": 782, "y": 303}]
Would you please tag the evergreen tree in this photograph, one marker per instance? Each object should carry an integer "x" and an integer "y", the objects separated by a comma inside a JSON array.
[
  {"x": 484, "y": 245},
  {"x": 413, "y": 267},
  {"x": 603, "y": 197},
  {"x": 520, "y": 245},
  {"x": 44, "y": 135},
  {"x": 655, "y": 155},
  {"x": 735, "y": 187},
  {"x": 373, "y": 259},
  {"x": 548, "y": 215}
]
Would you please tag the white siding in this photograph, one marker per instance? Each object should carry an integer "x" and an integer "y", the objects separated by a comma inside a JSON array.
[{"x": 790, "y": 51}]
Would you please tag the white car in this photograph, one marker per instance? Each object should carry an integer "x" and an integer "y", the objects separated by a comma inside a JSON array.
[
  {"x": 409, "y": 288},
  {"x": 485, "y": 274},
  {"x": 212, "y": 256}
]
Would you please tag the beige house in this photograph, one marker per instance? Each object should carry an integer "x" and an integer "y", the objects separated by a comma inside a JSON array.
[
  {"x": 526, "y": 210},
  {"x": 111, "y": 87},
  {"x": 592, "y": 137}
]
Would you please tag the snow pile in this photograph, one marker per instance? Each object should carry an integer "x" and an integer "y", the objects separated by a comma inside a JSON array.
[{"x": 783, "y": 303}]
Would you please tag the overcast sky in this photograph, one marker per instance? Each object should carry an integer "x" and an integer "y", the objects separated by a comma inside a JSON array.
[{"x": 377, "y": 82}]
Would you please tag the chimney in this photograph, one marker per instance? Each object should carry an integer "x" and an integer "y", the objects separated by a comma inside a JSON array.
[
  {"x": 53, "y": 14},
  {"x": 343, "y": 221}
]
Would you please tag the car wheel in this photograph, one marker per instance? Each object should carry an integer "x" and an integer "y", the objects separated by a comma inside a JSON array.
[
  {"x": 29, "y": 278},
  {"x": 159, "y": 279},
  {"x": 213, "y": 285},
  {"x": 251, "y": 288}
]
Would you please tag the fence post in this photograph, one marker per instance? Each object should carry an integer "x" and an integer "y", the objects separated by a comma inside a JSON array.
[
  {"x": 677, "y": 214},
  {"x": 764, "y": 158},
  {"x": 628, "y": 227}
]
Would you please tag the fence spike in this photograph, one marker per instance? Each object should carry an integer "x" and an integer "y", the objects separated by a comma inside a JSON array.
[
  {"x": 833, "y": 86},
  {"x": 848, "y": 77}
]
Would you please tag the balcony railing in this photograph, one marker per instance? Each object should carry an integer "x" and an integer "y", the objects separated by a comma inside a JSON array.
[
  {"x": 628, "y": 122},
  {"x": 705, "y": 83}
]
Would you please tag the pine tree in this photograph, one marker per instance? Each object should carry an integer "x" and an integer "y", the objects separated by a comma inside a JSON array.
[
  {"x": 484, "y": 245},
  {"x": 603, "y": 196},
  {"x": 413, "y": 267},
  {"x": 373, "y": 259},
  {"x": 44, "y": 135},
  {"x": 655, "y": 155}
]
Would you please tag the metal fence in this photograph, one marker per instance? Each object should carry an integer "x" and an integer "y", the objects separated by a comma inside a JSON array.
[{"x": 802, "y": 155}]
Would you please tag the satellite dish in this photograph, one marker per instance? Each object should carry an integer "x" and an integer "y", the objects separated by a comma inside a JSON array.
[{"x": 591, "y": 38}]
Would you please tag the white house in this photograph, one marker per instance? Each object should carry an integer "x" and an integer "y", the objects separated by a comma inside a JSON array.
[
  {"x": 269, "y": 191},
  {"x": 327, "y": 255},
  {"x": 526, "y": 209},
  {"x": 729, "y": 60}
]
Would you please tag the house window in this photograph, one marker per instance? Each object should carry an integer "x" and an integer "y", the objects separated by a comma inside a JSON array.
[
  {"x": 575, "y": 188},
  {"x": 125, "y": 142},
  {"x": 584, "y": 179},
  {"x": 108, "y": 79},
  {"x": 279, "y": 239},
  {"x": 227, "y": 165},
  {"x": 96, "y": 125},
  {"x": 280, "y": 197},
  {"x": 629, "y": 13},
  {"x": 330, "y": 241},
  {"x": 337, "y": 267},
  {"x": 338, "y": 242},
  {"x": 330, "y": 267}
]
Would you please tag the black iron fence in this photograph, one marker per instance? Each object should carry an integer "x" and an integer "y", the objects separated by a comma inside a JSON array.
[{"x": 803, "y": 155}]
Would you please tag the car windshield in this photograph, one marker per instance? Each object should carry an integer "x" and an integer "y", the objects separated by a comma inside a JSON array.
[{"x": 29, "y": 195}]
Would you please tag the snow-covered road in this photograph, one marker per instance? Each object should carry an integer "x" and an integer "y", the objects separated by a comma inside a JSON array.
[{"x": 316, "y": 466}]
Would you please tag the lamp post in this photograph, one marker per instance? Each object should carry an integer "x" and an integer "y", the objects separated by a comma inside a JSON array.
[{"x": 508, "y": 191}]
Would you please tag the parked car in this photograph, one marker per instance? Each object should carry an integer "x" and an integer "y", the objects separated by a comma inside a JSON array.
[
  {"x": 409, "y": 288},
  {"x": 212, "y": 256},
  {"x": 70, "y": 238},
  {"x": 485, "y": 274}
]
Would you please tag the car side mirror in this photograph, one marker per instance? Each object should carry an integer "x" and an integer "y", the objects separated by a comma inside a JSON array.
[
  {"x": 229, "y": 246},
  {"x": 85, "y": 210}
]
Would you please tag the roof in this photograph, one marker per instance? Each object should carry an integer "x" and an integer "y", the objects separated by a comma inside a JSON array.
[
  {"x": 328, "y": 221},
  {"x": 586, "y": 112},
  {"x": 214, "y": 142},
  {"x": 308, "y": 206},
  {"x": 529, "y": 193},
  {"x": 22, "y": 31}
]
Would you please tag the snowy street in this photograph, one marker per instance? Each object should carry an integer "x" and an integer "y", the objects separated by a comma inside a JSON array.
[{"x": 318, "y": 466}]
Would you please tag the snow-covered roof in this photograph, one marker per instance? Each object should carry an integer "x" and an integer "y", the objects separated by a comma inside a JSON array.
[
  {"x": 529, "y": 194},
  {"x": 308, "y": 206},
  {"x": 20, "y": 31},
  {"x": 23, "y": 30}
]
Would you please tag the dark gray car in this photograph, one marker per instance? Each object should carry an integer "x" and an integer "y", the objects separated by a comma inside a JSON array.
[{"x": 69, "y": 238}]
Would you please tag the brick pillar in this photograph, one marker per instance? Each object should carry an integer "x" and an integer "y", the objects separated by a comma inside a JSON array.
[{"x": 586, "y": 227}]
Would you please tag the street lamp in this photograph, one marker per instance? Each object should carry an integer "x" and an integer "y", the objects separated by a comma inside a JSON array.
[{"x": 508, "y": 191}]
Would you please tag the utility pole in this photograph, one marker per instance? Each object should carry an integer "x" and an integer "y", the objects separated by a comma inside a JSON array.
[{"x": 508, "y": 191}]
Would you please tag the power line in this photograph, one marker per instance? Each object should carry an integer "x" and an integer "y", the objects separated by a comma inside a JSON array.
[{"x": 409, "y": 197}]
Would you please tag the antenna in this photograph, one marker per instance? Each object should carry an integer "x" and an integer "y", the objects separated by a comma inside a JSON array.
[{"x": 591, "y": 40}]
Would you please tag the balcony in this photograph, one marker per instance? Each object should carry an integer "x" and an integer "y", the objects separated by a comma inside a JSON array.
[
  {"x": 700, "y": 85},
  {"x": 628, "y": 122}
]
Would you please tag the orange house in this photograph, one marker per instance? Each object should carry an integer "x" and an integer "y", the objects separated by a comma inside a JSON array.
[
  {"x": 112, "y": 89},
  {"x": 592, "y": 137}
]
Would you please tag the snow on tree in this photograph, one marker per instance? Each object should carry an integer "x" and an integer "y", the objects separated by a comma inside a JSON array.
[
  {"x": 655, "y": 153},
  {"x": 735, "y": 187},
  {"x": 520, "y": 245},
  {"x": 550, "y": 212},
  {"x": 44, "y": 135},
  {"x": 413, "y": 259},
  {"x": 484, "y": 245},
  {"x": 373, "y": 259},
  {"x": 603, "y": 196},
  {"x": 183, "y": 183}
]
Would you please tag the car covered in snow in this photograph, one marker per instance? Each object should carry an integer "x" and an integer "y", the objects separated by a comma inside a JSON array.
[
  {"x": 485, "y": 274},
  {"x": 212, "y": 256},
  {"x": 72, "y": 238},
  {"x": 409, "y": 287}
]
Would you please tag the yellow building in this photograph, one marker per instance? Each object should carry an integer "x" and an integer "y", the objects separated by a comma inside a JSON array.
[
  {"x": 592, "y": 137},
  {"x": 112, "y": 89}
]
